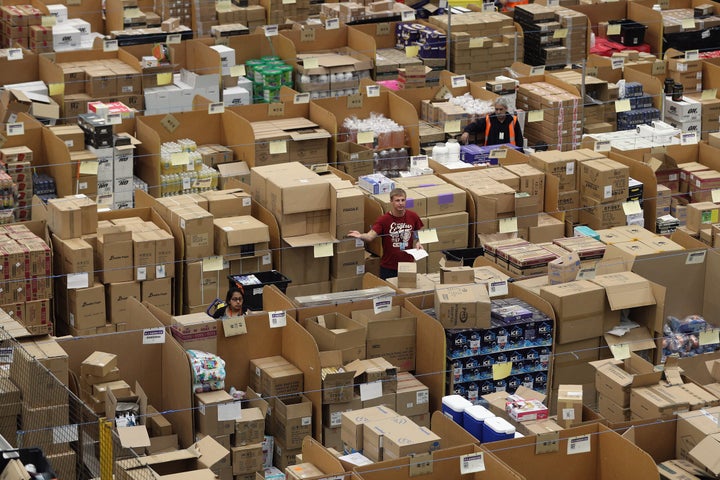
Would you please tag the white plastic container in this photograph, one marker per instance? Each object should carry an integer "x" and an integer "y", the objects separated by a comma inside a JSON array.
[
  {"x": 473, "y": 419},
  {"x": 440, "y": 153},
  {"x": 497, "y": 428},
  {"x": 453, "y": 407},
  {"x": 453, "y": 150}
]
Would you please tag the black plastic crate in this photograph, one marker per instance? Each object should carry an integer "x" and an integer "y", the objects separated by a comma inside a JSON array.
[
  {"x": 253, "y": 284},
  {"x": 631, "y": 32},
  {"x": 28, "y": 455},
  {"x": 465, "y": 255}
]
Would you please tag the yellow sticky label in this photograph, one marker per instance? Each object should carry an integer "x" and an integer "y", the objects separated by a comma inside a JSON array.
[
  {"x": 164, "y": 78},
  {"x": 613, "y": 29},
  {"x": 688, "y": 23},
  {"x": 428, "y": 235},
  {"x": 365, "y": 137},
  {"x": 620, "y": 351},
  {"x": 179, "y": 158},
  {"x": 237, "y": 71},
  {"x": 622, "y": 105},
  {"x": 322, "y": 250},
  {"x": 89, "y": 167},
  {"x": 709, "y": 337},
  {"x": 560, "y": 33},
  {"x": 48, "y": 20},
  {"x": 212, "y": 264},
  {"x": 715, "y": 195},
  {"x": 452, "y": 126},
  {"x": 411, "y": 51},
  {"x": 56, "y": 88},
  {"x": 714, "y": 216},
  {"x": 508, "y": 225},
  {"x": 709, "y": 94},
  {"x": 501, "y": 370},
  {"x": 311, "y": 62},
  {"x": 278, "y": 146},
  {"x": 536, "y": 116}
]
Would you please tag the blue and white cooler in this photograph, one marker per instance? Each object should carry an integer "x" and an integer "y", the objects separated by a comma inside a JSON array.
[
  {"x": 497, "y": 428},
  {"x": 453, "y": 407},
  {"x": 473, "y": 419}
]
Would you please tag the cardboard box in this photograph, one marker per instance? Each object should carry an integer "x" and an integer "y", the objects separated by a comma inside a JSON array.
[
  {"x": 465, "y": 306},
  {"x": 335, "y": 331},
  {"x": 457, "y": 275},
  {"x": 332, "y": 413},
  {"x": 569, "y": 405},
  {"x": 579, "y": 307},
  {"x": 692, "y": 428},
  {"x": 292, "y": 420},
  {"x": 337, "y": 382},
  {"x": 198, "y": 459},
  {"x": 64, "y": 218},
  {"x": 604, "y": 180},
  {"x": 250, "y": 427},
  {"x": 238, "y": 235},
  {"x": 352, "y": 424},
  {"x": 86, "y": 307},
  {"x": 374, "y": 370},
  {"x": 390, "y": 335},
  {"x": 412, "y": 396},
  {"x": 276, "y": 376},
  {"x": 228, "y": 203},
  {"x": 407, "y": 275},
  {"x": 206, "y": 413},
  {"x": 98, "y": 364},
  {"x": 616, "y": 380},
  {"x": 158, "y": 292},
  {"x": 247, "y": 459},
  {"x": 114, "y": 254},
  {"x": 196, "y": 331}
]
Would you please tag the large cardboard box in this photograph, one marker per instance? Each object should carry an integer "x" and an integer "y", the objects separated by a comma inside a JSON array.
[
  {"x": 466, "y": 306},
  {"x": 240, "y": 235},
  {"x": 413, "y": 397},
  {"x": 692, "y": 428},
  {"x": 616, "y": 380},
  {"x": 194, "y": 462},
  {"x": 86, "y": 307},
  {"x": 275, "y": 376},
  {"x": 292, "y": 420},
  {"x": 390, "y": 335},
  {"x": 114, "y": 254},
  {"x": 352, "y": 424},
  {"x": 158, "y": 292},
  {"x": 195, "y": 331},
  {"x": 335, "y": 331},
  {"x": 604, "y": 180},
  {"x": 207, "y": 421},
  {"x": 579, "y": 307},
  {"x": 116, "y": 296}
]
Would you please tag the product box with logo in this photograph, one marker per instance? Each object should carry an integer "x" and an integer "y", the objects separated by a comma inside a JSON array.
[
  {"x": 291, "y": 420},
  {"x": 195, "y": 331},
  {"x": 465, "y": 306}
]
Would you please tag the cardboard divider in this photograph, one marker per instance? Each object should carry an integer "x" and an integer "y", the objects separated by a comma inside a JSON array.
[
  {"x": 602, "y": 12},
  {"x": 18, "y": 71},
  {"x": 654, "y": 22},
  {"x": 642, "y": 173},
  {"x": 161, "y": 369},
  {"x": 445, "y": 463},
  {"x": 599, "y": 444},
  {"x": 330, "y": 113},
  {"x": 224, "y": 129}
]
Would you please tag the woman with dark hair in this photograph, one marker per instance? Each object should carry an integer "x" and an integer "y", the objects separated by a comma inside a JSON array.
[{"x": 234, "y": 304}]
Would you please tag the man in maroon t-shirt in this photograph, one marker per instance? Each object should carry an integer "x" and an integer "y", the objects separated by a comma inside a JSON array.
[{"x": 398, "y": 229}]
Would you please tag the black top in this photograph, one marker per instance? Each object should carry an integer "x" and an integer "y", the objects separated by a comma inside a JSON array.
[{"x": 499, "y": 131}]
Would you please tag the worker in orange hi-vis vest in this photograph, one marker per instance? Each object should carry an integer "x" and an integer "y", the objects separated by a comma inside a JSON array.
[
  {"x": 509, "y": 6},
  {"x": 494, "y": 129}
]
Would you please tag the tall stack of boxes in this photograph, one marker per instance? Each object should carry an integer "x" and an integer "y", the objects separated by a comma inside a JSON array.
[
  {"x": 26, "y": 278},
  {"x": 16, "y": 162},
  {"x": 291, "y": 419},
  {"x": 347, "y": 213},
  {"x": 45, "y": 402},
  {"x": 687, "y": 73},
  {"x": 553, "y": 35},
  {"x": 603, "y": 190},
  {"x": 561, "y": 128},
  {"x": 481, "y": 38},
  {"x": 17, "y": 21}
]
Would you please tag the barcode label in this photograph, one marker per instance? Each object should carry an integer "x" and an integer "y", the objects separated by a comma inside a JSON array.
[
  {"x": 578, "y": 444},
  {"x": 278, "y": 319},
  {"x": 472, "y": 463}
]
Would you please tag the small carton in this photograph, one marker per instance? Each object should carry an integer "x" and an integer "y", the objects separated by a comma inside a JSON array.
[
  {"x": 407, "y": 275},
  {"x": 569, "y": 405},
  {"x": 466, "y": 306},
  {"x": 98, "y": 364}
]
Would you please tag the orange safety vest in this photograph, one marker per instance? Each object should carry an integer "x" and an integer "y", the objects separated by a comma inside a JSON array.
[
  {"x": 512, "y": 129},
  {"x": 510, "y": 6}
]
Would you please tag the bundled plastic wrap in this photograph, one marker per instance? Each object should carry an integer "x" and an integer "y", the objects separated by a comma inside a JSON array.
[
  {"x": 682, "y": 336},
  {"x": 208, "y": 371}
]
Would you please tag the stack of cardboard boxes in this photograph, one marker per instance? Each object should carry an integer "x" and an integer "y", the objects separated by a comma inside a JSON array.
[
  {"x": 102, "y": 264},
  {"x": 16, "y": 162},
  {"x": 40, "y": 370},
  {"x": 281, "y": 383},
  {"x": 481, "y": 38},
  {"x": 26, "y": 279},
  {"x": 561, "y": 125},
  {"x": 17, "y": 21},
  {"x": 603, "y": 190},
  {"x": 553, "y": 35}
]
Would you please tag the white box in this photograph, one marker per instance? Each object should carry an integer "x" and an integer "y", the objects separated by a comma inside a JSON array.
[
  {"x": 105, "y": 171},
  {"x": 686, "y": 110},
  {"x": 60, "y": 12},
  {"x": 182, "y": 100},
  {"x": 105, "y": 187},
  {"x": 84, "y": 27},
  {"x": 122, "y": 200},
  {"x": 122, "y": 185},
  {"x": 236, "y": 96},
  {"x": 245, "y": 83},
  {"x": 687, "y": 127},
  {"x": 123, "y": 161},
  {"x": 148, "y": 61},
  {"x": 158, "y": 98},
  {"x": 376, "y": 183},
  {"x": 227, "y": 57},
  {"x": 65, "y": 37}
]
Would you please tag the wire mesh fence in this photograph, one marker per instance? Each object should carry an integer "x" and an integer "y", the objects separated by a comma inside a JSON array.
[{"x": 38, "y": 410}]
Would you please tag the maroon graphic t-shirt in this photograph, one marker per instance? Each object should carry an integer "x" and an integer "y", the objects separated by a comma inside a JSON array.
[{"x": 397, "y": 235}]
